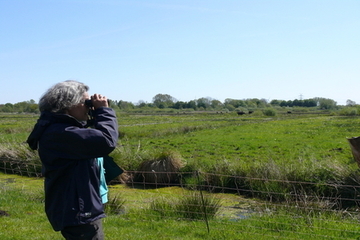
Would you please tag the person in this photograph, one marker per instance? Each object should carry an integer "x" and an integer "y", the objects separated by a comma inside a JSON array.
[{"x": 71, "y": 155}]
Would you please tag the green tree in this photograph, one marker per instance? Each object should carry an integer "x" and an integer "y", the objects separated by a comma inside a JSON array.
[
  {"x": 297, "y": 103},
  {"x": 123, "y": 105},
  {"x": 8, "y": 107},
  {"x": 179, "y": 105},
  {"x": 310, "y": 103},
  {"x": 229, "y": 107},
  {"x": 203, "y": 103},
  {"x": 289, "y": 103},
  {"x": 235, "y": 103},
  {"x": 191, "y": 104},
  {"x": 216, "y": 104},
  {"x": 275, "y": 102},
  {"x": 350, "y": 103},
  {"x": 141, "y": 104},
  {"x": 326, "y": 103},
  {"x": 163, "y": 100}
]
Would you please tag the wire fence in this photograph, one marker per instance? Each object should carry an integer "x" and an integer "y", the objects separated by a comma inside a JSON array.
[{"x": 281, "y": 210}]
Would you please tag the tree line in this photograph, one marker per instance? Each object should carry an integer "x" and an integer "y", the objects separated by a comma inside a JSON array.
[{"x": 165, "y": 101}]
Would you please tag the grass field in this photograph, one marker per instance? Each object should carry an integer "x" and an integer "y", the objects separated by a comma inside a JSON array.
[
  {"x": 221, "y": 143},
  {"x": 269, "y": 154},
  {"x": 22, "y": 199},
  {"x": 297, "y": 147},
  {"x": 206, "y": 139},
  {"x": 304, "y": 147}
]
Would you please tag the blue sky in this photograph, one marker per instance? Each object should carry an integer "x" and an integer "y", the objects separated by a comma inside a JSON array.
[{"x": 133, "y": 50}]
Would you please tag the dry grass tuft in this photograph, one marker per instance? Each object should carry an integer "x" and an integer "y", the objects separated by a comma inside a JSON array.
[
  {"x": 162, "y": 169},
  {"x": 18, "y": 158}
]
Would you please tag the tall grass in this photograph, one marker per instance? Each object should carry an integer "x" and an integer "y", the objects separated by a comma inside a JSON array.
[
  {"x": 17, "y": 158},
  {"x": 190, "y": 206},
  {"x": 115, "y": 204}
]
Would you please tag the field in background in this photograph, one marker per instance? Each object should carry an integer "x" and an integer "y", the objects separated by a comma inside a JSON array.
[{"x": 208, "y": 142}]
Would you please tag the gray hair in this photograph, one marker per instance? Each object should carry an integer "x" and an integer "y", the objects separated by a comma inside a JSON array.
[{"x": 62, "y": 96}]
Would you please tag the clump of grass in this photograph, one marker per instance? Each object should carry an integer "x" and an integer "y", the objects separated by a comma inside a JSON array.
[
  {"x": 184, "y": 129},
  {"x": 16, "y": 150},
  {"x": 164, "y": 167},
  {"x": 115, "y": 205},
  {"x": 192, "y": 206},
  {"x": 17, "y": 158},
  {"x": 195, "y": 206},
  {"x": 130, "y": 156},
  {"x": 270, "y": 112},
  {"x": 187, "y": 129},
  {"x": 163, "y": 207}
]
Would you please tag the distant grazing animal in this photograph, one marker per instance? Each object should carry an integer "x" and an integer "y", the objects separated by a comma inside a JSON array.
[
  {"x": 289, "y": 111},
  {"x": 240, "y": 112},
  {"x": 250, "y": 112},
  {"x": 3, "y": 213}
]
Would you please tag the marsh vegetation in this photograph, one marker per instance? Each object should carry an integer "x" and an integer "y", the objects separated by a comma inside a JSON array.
[{"x": 301, "y": 164}]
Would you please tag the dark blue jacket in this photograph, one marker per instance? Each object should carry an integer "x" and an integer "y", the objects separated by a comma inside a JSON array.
[{"x": 68, "y": 151}]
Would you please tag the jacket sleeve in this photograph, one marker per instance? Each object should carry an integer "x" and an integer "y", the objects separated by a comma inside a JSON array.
[
  {"x": 75, "y": 142},
  {"x": 106, "y": 122}
]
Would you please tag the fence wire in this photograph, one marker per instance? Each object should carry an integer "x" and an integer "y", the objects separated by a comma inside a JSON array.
[{"x": 301, "y": 208}]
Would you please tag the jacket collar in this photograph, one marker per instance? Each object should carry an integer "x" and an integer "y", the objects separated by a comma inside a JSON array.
[{"x": 45, "y": 120}]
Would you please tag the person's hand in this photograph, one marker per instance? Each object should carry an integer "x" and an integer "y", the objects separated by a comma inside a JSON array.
[{"x": 99, "y": 101}]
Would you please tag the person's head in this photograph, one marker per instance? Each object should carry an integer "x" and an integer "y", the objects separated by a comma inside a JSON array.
[{"x": 66, "y": 97}]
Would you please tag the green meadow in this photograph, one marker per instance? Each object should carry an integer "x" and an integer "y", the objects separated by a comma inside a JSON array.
[
  {"x": 23, "y": 201},
  {"x": 298, "y": 147},
  {"x": 294, "y": 172},
  {"x": 311, "y": 148}
]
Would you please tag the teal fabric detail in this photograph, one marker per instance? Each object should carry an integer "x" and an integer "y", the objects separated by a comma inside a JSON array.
[{"x": 103, "y": 186}]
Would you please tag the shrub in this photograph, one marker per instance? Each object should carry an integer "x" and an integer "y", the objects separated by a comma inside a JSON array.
[
  {"x": 270, "y": 112},
  {"x": 349, "y": 111}
]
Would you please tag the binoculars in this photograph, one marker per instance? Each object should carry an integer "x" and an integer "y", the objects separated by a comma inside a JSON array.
[{"x": 88, "y": 103}]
